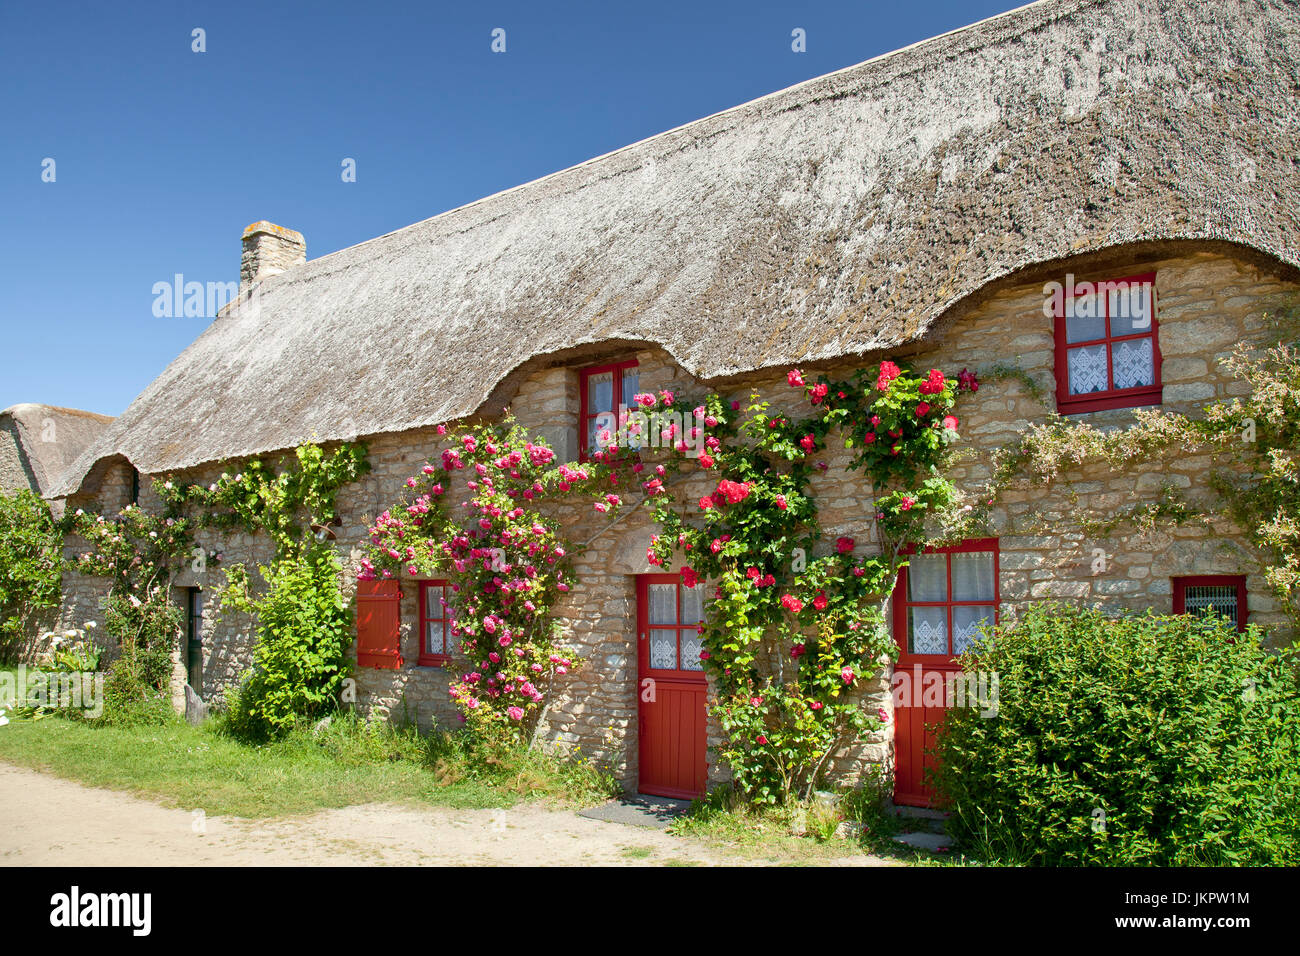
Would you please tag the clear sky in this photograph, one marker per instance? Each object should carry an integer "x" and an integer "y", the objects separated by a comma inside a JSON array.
[{"x": 163, "y": 155}]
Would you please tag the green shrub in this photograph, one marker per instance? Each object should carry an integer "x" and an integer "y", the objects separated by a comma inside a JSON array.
[
  {"x": 304, "y": 628},
  {"x": 137, "y": 688},
  {"x": 1147, "y": 740},
  {"x": 31, "y": 556}
]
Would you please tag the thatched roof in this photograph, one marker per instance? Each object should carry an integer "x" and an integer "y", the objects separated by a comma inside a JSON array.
[
  {"x": 840, "y": 216},
  {"x": 39, "y": 442}
]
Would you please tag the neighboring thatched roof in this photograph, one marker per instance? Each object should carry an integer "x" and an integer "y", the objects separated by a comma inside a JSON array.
[
  {"x": 39, "y": 442},
  {"x": 838, "y": 217}
]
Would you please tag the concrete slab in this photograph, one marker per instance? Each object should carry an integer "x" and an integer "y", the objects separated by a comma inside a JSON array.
[
  {"x": 925, "y": 841},
  {"x": 639, "y": 810}
]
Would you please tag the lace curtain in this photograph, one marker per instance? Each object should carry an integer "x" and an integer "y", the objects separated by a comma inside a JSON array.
[
  {"x": 1132, "y": 361},
  {"x": 973, "y": 579}
]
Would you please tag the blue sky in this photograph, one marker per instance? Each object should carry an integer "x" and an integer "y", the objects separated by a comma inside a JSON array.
[{"x": 163, "y": 155}]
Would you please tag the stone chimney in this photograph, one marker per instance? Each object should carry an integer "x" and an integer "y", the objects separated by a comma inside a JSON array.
[{"x": 269, "y": 250}]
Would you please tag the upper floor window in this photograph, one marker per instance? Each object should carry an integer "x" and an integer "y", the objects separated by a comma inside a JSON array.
[
  {"x": 1219, "y": 594},
  {"x": 437, "y": 643},
  {"x": 1107, "y": 345},
  {"x": 944, "y": 595},
  {"x": 605, "y": 391}
]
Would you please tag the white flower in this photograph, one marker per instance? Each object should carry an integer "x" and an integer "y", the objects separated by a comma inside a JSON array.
[{"x": 91, "y": 625}]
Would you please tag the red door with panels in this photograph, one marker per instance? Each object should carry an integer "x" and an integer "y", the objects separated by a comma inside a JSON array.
[
  {"x": 941, "y": 599},
  {"x": 671, "y": 687}
]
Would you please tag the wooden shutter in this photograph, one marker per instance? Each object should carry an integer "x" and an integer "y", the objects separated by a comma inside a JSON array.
[{"x": 379, "y": 624}]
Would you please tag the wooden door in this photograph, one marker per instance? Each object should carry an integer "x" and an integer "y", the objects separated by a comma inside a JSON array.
[
  {"x": 940, "y": 602},
  {"x": 671, "y": 688}
]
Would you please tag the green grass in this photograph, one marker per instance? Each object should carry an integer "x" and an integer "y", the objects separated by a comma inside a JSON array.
[{"x": 349, "y": 763}]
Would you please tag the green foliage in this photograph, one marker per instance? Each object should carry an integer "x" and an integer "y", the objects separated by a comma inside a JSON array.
[
  {"x": 304, "y": 628},
  {"x": 31, "y": 556},
  {"x": 790, "y": 636},
  {"x": 282, "y": 503},
  {"x": 1146, "y": 740}
]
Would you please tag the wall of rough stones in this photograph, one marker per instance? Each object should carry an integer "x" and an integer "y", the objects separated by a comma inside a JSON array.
[{"x": 1206, "y": 303}]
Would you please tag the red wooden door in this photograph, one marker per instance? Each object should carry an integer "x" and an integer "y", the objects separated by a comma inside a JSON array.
[
  {"x": 671, "y": 688},
  {"x": 941, "y": 599}
]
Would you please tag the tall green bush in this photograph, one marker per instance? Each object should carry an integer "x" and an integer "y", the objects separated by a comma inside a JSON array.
[
  {"x": 1144, "y": 740},
  {"x": 304, "y": 628},
  {"x": 31, "y": 563}
]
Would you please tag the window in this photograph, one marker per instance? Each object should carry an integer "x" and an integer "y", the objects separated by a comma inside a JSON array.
[
  {"x": 605, "y": 391},
  {"x": 437, "y": 643},
  {"x": 135, "y": 486},
  {"x": 670, "y": 623},
  {"x": 1221, "y": 594},
  {"x": 944, "y": 595},
  {"x": 1107, "y": 346}
]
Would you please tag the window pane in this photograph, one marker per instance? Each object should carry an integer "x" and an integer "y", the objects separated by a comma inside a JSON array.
[
  {"x": 691, "y": 604},
  {"x": 663, "y": 604},
  {"x": 1087, "y": 369},
  {"x": 927, "y": 577},
  {"x": 449, "y": 639},
  {"x": 691, "y": 647},
  {"x": 629, "y": 386},
  {"x": 663, "y": 649},
  {"x": 433, "y": 637},
  {"x": 1084, "y": 319},
  {"x": 1134, "y": 363},
  {"x": 928, "y": 630},
  {"x": 1130, "y": 310},
  {"x": 1204, "y": 599},
  {"x": 966, "y": 623},
  {"x": 600, "y": 393},
  {"x": 972, "y": 577}
]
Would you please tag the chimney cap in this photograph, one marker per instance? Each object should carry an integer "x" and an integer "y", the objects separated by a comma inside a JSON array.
[{"x": 262, "y": 226}]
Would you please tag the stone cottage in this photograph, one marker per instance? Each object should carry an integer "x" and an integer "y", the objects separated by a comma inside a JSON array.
[{"x": 914, "y": 206}]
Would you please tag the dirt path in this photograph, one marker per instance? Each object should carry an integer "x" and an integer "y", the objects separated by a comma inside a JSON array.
[{"x": 47, "y": 821}]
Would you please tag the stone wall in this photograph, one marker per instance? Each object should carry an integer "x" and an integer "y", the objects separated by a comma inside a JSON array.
[{"x": 1206, "y": 302}]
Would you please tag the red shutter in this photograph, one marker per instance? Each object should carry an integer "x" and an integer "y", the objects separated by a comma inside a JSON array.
[{"x": 378, "y": 624}]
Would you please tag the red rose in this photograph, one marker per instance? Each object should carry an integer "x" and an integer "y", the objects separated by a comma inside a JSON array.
[
  {"x": 950, "y": 422},
  {"x": 808, "y": 443},
  {"x": 923, "y": 409},
  {"x": 820, "y": 602},
  {"x": 869, "y": 437},
  {"x": 706, "y": 461},
  {"x": 706, "y": 504},
  {"x": 781, "y": 503},
  {"x": 818, "y": 393},
  {"x": 689, "y": 577},
  {"x": 795, "y": 378},
  {"x": 791, "y": 603},
  {"x": 844, "y": 545}
]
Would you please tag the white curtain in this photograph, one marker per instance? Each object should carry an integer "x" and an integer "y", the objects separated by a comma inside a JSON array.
[
  {"x": 927, "y": 577},
  {"x": 928, "y": 630},
  {"x": 966, "y": 621},
  {"x": 663, "y": 604},
  {"x": 972, "y": 576},
  {"x": 691, "y": 647},
  {"x": 663, "y": 649},
  {"x": 1134, "y": 362},
  {"x": 691, "y": 604},
  {"x": 1087, "y": 369}
]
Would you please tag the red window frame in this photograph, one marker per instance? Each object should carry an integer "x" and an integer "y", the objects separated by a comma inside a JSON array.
[
  {"x": 1181, "y": 584},
  {"x": 432, "y": 611},
  {"x": 1070, "y": 404},
  {"x": 644, "y": 627},
  {"x": 901, "y": 602},
  {"x": 617, "y": 391}
]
